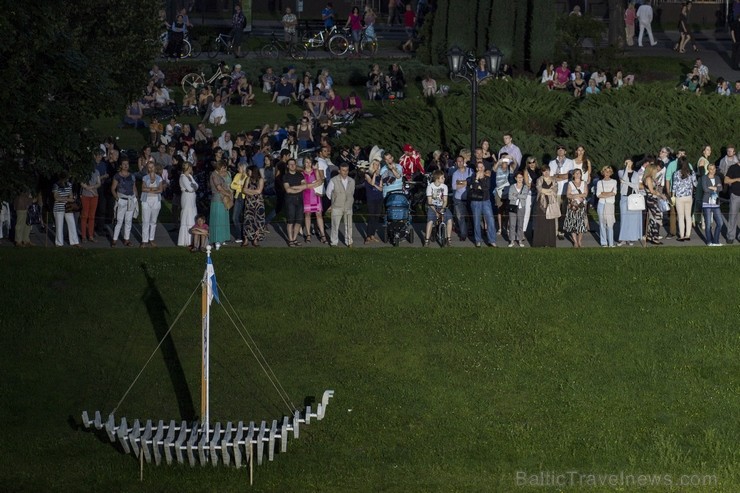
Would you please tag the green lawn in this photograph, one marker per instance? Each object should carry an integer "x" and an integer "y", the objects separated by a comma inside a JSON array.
[{"x": 453, "y": 371}]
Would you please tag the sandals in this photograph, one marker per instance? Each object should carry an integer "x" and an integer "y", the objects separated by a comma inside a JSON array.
[
  {"x": 323, "y": 239},
  {"x": 307, "y": 239},
  {"x": 127, "y": 242}
]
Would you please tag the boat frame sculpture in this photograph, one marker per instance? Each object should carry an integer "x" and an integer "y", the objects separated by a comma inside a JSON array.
[{"x": 200, "y": 442}]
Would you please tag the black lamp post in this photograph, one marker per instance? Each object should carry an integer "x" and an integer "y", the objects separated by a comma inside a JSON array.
[{"x": 463, "y": 66}]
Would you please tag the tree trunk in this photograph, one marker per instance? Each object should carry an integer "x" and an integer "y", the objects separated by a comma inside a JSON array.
[{"x": 616, "y": 23}]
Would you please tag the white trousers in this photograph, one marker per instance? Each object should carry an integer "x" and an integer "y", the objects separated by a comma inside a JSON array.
[
  {"x": 59, "y": 219},
  {"x": 149, "y": 213},
  {"x": 527, "y": 212},
  {"x": 649, "y": 29},
  {"x": 124, "y": 217}
]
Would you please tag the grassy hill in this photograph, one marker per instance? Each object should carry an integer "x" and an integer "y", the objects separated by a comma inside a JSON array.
[{"x": 453, "y": 371}]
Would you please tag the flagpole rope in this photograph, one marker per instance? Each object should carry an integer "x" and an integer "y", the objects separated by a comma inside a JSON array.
[
  {"x": 158, "y": 346},
  {"x": 273, "y": 379}
]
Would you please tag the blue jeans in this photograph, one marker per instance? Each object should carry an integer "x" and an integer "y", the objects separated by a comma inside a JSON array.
[
  {"x": 710, "y": 212},
  {"x": 606, "y": 225},
  {"x": 236, "y": 218},
  {"x": 483, "y": 207},
  {"x": 461, "y": 214}
]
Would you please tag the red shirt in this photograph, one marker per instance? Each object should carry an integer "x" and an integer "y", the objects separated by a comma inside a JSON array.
[
  {"x": 409, "y": 18},
  {"x": 411, "y": 164}
]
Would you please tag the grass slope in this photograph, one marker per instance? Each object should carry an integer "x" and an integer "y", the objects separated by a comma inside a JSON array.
[{"x": 452, "y": 370}]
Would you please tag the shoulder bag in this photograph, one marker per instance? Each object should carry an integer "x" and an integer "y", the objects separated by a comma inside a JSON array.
[{"x": 635, "y": 202}]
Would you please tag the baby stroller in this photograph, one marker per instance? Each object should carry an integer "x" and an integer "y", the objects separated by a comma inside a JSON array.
[{"x": 398, "y": 218}]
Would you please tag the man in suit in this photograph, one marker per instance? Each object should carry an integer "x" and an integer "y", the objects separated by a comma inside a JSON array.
[{"x": 341, "y": 191}]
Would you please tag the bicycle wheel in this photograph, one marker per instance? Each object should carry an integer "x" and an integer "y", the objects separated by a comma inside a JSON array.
[
  {"x": 213, "y": 49},
  {"x": 192, "y": 81},
  {"x": 185, "y": 49},
  {"x": 369, "y": 46},
  {"x": 442, "y": 233},
  {"x": 195, "y": 49},
  {"x": 338, "y": 45},
  {"x": 269, "y": 51},
  {"x": 298, "y": 51}
]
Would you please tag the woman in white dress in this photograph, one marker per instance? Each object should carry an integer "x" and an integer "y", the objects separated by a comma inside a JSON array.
[{"x": 189, "y": 210}]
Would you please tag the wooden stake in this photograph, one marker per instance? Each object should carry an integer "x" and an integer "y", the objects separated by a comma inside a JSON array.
[
  {"x": 141, "y": 465},
  {"x": 251, "y": 463}
]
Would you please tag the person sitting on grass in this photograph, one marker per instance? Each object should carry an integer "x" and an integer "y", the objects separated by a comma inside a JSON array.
[
  {"x": 437, "y": 194},
  {"x": 246, "y": 94},
  {"x": 269, "y": 79},
  {"x": 205, "y": 99},
  {"x": 429, "y": 86},
  {"x": 155, "y": 131},
  {"x": 199, "y": 233},
  {"x": 316, "y": 103},
  {"x": 334, "y": 105},
  {"x": 284, "y": 92},
  {"x": 218, "y": 113},
  {"x": 189, "y": 102},
  {"x": 134, "y": 115}
]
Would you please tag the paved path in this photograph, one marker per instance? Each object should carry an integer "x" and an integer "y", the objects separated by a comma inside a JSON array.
[
  {"x": 715, "y": 48},
  {"x": 167, "y": 237}
]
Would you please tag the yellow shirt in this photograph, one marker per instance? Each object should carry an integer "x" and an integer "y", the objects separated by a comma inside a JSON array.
[{"x": 237, "y": 183}]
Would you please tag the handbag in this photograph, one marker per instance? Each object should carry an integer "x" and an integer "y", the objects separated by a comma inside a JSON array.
[
  {"x": 33, "y": 215},
  {"x": 228, "y": 201},
  {"x": 552, "y": 211},
  {"x": 635, "y": 202},
  {"x": 75, "y": 206},
  {"x": 513, "y": 208},
  {"x": 663, "y": 205}
]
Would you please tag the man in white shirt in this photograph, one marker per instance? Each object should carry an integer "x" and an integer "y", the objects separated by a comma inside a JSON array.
[
  {"x": 341, "y": 191},
  {"x": 326, "y": 169},
  {"x": 645, "y": 18},
  {"x": 560, "y": 169}
]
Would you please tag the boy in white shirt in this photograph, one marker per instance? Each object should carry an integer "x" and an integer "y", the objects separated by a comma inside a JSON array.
[{"x": 437, "y": 206}]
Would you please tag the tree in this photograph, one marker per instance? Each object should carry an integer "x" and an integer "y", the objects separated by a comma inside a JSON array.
[
  {"x": 616, "y": 23},
  {"x": 66, "y": 64}
]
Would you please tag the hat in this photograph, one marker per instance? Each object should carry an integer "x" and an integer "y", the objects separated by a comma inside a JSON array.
[{"x": 408, "y": 148}]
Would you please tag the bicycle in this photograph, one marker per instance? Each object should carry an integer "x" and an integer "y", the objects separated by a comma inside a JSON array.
[
  {"x": 189, "y": 47},
  {"x": 320, "y": 39},
  {"x": 197, "y": 81},
  {"x": 222, "y": 44},
  {"x": 439, "y": 229},
  {"x": 273, "y": 48},
  {"x": 341, "y": 43}
]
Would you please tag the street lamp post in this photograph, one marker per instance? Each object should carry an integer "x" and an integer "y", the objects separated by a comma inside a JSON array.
[{"x": 463, "y": 66}]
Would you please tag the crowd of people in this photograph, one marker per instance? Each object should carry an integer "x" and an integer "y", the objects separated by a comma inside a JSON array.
[{"x": 224, "y": 190}]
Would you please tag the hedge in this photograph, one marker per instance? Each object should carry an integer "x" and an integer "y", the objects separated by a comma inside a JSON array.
[{"x": 628, "y": 122}]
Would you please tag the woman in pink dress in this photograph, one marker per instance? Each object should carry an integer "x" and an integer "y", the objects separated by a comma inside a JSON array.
[{"x": 314, "y": 181}]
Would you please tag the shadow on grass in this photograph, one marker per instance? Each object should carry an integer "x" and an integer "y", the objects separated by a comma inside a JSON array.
[{"x": 157, "y": 310}]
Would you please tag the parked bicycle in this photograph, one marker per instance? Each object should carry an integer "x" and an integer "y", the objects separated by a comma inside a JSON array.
[
  {"x": 198, "y": 81},
  {"x": 275, "y": 46},
  {"x": 320, "y": 39},
  {"x": 341, "y": 43},
  {"x": 223, "y": 44},
  {"x": 188, "y": 48}
]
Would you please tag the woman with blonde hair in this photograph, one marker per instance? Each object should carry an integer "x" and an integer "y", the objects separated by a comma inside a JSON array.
[{"x": 188, "y": 187}]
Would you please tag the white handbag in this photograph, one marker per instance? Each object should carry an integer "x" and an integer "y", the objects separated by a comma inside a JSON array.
[{"x": 635, "y": 202}]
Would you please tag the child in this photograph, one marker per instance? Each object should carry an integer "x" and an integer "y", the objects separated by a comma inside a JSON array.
[
  {"x": 437, "y": 206},
  {"x": 200, "y": 234}
]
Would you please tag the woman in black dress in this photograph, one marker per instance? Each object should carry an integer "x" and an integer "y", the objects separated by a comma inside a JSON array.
[
  {"x": 683, "y": 30},
  {"x": 545, "y": 229}
]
